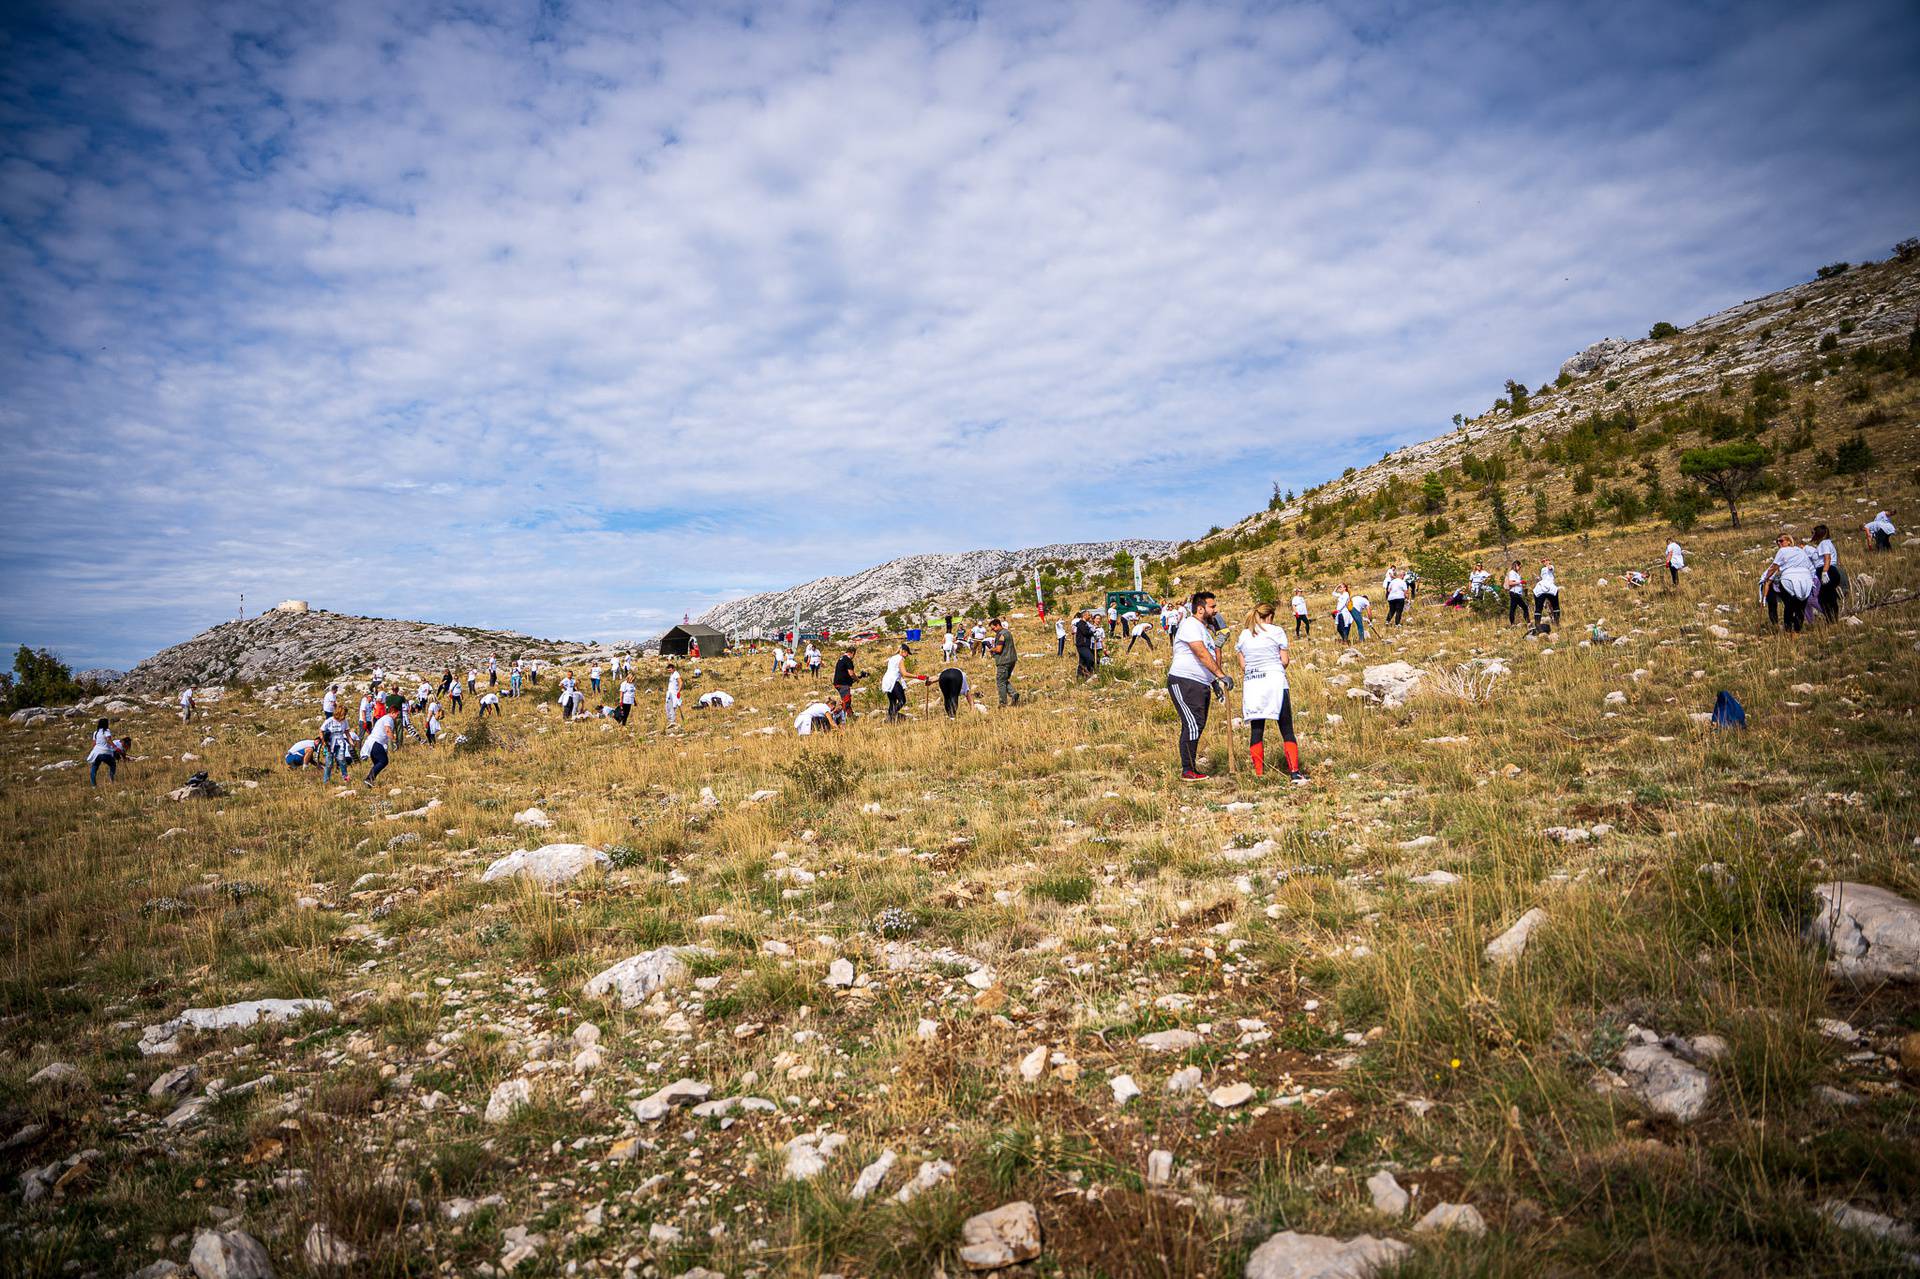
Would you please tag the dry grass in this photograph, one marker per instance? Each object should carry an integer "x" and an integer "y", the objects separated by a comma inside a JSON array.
[{"x": 1051, "y": 843}]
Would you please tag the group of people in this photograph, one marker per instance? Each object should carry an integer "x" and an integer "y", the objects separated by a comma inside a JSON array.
[
  {"x": 1196, "y": 677},
  {"x": 994, "y": 638}
]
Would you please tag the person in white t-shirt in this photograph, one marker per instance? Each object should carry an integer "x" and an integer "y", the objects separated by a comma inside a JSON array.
[
  {"x": 1546, "y": 593},
  {"x": 593, "y": 676},
  {"x": 954, "y": 685},
  {"x": 433, "y": 722},
  {"x": 1302, "y": 619},
  {"x": 816, "y": 717},
  {"x": 1396, "y": 598},
  {"x": 336, "y": 748},
  {"x": 1360, "y": 609},
  {"x": 303, "y": 752},
  {"x": 490, "y": 701},
  {"x": 673, "y": 696},
  {"x": 378, "y": 747},
  {"x": 1793, "y": 574},
  {"x": 1059, "y": 637},
  {"x": 455, "y": 691},
  {"x": 102, "y": 752},
  {"x": 1477, "y": 581},
  {"x": 893, "y": 681},
  {"x": 1880, "y": 528},
  {"x": 1517, "y": 595},
  {"x": 949, "y": 646},
  {"x": 1264, "y": 695},
  {"x": 186, "y": 708},
  {"x": 1342, "y": 616},
  {"x": 1113, "y": 618},
  {"x": 1676, "y": 560},
  {"x": 1141, "y": 633},
  {"x": 1194, "y": 677},
  {"x": 1827, "y": 571},
  {"x": 715, "y": 700},
  {"x": 330, "y": 701},
  {"x": 625, "y": 708}
]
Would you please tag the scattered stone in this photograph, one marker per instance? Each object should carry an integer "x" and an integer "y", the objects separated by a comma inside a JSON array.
[
  {"x": 163, "y": 1039},
  {"x": 1509, "y": 946},
  {"x": 930, "y": 1174},
  {"x": 807, "y": 1155},
  {"x": 873, "y": 1174},
  {"x": 229, "y": 1254},
  {"x": 681, "y": 1092},
  {"x": 1003, "y": 1237},
  {"x": 59, "y": 1074},
  {"x": 1861, "y": 1221},
  {"x": 636, "y": 977},
  {"x": 1034, "y": 1064},
  {"x": 1436, "y": 878},
  {"x": 1124, "y": 1089},
  {"x": 1289, "y": 1255},
  {"x": 1419, "y": 841},
  {"x": 550, "y": 864},
  {"x": 1186, "y": 1079},
  {"x": 1464, "y": 1218},
  {"x": 1662, "y": 1080},
  {"x": 1170, "y": 1041},
  {"x": 508, "y": 1096},
  {"x": 1391, "y": 684},
  {"x": 326, "y": 1250},
  {"x": 1872, "y": 934},
  {"x": 840, "y": 973},
  {"x": 1229, "y": 1096},
  {"x": 1388, "y": 1196},
  {"x": 1159, "y": 1167}
]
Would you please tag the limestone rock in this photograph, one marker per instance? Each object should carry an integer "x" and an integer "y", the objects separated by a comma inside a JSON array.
[
  {"x": 636, "y": 977},
  {"x": 549, "y": 864},
  {"x": 508, "y": 1096},
  {"x": 1170, "y": 1041},
  {"x": 681, "y": 1092},
  {"x": 532, "y": 817},
  {"x": 1872, "y": 934},
  {"x": 163, "y": 1039},
  {"x": 840, "y": 973},
  {"x": 1003, "y": 1237},
  {"x": 873, "y": 1174},
  {"x": 58, "y": 1074},
  {"x": 229, "y": 1254},
  {"x": 1388, "y": 1195},
  {"x": 1392, "y": 683},
  {"x": 1464, "y": 1218},
  {"x": 1230, "y": 1096},
  {"x": 1661, "y": 1079},
  {"x": 1509, "y": 945},
  {"x": 1289, "y": 1255},
  {"x": 176, "y": 1083},
  {"x": 326, "y": 1250}
]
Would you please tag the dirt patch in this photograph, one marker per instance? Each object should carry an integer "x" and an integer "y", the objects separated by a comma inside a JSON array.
[{"x": 1126, "y": 1234}]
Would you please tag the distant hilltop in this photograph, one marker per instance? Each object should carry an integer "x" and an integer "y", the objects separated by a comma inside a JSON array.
[
  {"x": 293, "y": 638},
  {"x": 865, "y": 597}
]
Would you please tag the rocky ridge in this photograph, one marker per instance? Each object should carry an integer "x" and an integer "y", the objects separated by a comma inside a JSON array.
[
  {"x": 859, "y": 598},
  {"x": 1869, "y": 305},
  {"x": 281, "y": 645}
]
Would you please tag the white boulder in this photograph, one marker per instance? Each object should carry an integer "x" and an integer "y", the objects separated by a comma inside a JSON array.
[
  {"x": 550, "y": 864},
  {"x": 1872, "y": 934},
  {"x": 1289, "y": 1255}
]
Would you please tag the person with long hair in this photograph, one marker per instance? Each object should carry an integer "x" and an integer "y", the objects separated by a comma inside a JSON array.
[
  {"x": 1793, "y": 573},
  {"x": 1517, "y": 595},
  {"x": 1833, "y": 578},
  {"x": 1264, "y": 695}
]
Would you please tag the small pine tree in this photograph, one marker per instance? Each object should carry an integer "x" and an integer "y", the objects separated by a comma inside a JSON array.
[
  {"x": 1502, "y": 526},
  {"x": 1262, "y": 589},
  {"x": 1728, "y": 469},
  {"x": 1433, "y": 493}
]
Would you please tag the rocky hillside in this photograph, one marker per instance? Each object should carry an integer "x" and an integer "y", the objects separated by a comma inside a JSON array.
[
  {"x": 281, "y": 645},
  {"x": 1868, "y": 305},
  {"x": 863, "y": 597}
]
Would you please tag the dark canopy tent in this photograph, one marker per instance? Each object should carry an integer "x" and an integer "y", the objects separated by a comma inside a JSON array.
[{"x": 676, "y": 642}]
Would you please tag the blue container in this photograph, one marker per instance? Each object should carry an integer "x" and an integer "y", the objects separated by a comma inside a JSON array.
[{"x": 913, "y": 635}]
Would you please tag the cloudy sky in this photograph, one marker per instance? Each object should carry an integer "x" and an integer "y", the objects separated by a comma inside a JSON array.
[{"x": 573, "y": 317}]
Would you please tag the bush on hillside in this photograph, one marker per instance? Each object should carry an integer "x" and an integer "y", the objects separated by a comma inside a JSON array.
[
  {"x": 1661, "y": 332},
  {"x": 1853, "y": 456},
  {"x": 39, "y": 679},
  {"x": 1907, "y": 250},
  {"x": 1440, "y": 569},
  {"x": 1832, "y": 269}
]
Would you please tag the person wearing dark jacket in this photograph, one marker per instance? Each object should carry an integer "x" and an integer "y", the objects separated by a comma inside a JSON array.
[
  {"x": 1083, "y": 629},
  {"x": 843, "y": 677}
]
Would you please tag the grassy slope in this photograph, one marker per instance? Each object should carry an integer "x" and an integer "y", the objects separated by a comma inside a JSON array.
[{"x": 1001, "y": 833}]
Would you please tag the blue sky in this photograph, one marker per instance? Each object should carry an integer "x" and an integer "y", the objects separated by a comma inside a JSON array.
[{"x": 575, "y": 317}]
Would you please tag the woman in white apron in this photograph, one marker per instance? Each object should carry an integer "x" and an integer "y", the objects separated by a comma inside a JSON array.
[{"x": 1264, "y": 695}]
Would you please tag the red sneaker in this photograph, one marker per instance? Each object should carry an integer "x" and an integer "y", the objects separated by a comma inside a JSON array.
[{"x": 1188, "y": 775}]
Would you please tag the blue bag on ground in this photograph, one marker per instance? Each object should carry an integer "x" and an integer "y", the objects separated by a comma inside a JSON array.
[{"x": 1727, "y": 711}]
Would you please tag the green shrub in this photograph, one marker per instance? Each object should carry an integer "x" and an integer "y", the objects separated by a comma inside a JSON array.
[
  {"x": 1662, "y": 331},
  {"x": 1853, "y": 456},
  {"x": 39, "y": 679},
  {"x": 1832, "y": 269}
]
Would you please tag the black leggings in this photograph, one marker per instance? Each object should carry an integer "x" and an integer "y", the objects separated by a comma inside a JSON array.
[
  {"x": 1796, "y": 609},
  {"x": 378, "y": 755},
  {"x": 1258, "y": 727},
  {"x": 1060, "y": 649},
  {"x": 1191, "y": 699},
  {"x": 1541, "y": 603},
  {"x": 1674, "y": 572},
  {"x": 1136, "y": 639},
  {"x": 896, "y": 699},
  {"x": 950, "y": 682},
  {"x": 1830, "y": 599},
  {"x": 1517, "y": 602},
  {"x": 1774, "y": 596},
  {"x": 1088, "y": 662},
  {"x": 1302, "y": 625},
  {"x": 1396, "y": 611}
]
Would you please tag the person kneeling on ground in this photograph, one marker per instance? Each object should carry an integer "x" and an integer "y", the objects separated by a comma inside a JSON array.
[
  {"x": 1264, "y": 695},
  {"x": 815, "y": 718},
  {"x": 302, "y": 753}
]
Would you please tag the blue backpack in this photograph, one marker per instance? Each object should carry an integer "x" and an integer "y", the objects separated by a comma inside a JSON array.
[{"x": 1727, "y": 711}]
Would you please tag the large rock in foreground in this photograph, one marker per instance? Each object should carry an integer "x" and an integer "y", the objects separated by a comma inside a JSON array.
[
  {"x": 1391, "y": 684},
  {"x": 635, "y": 978},
  {"x": 1872, "y": 933},
  {"x": 1295, "y": 1256},
  {"x": 550, "y": 864}
]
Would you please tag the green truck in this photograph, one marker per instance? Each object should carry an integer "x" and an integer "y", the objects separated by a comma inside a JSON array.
[{"x": 1132, "y": 602}]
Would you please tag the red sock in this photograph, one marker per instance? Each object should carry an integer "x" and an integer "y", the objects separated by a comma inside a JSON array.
[
  {"x": 1259, "y": 752},
  {"x": 1292, "y": 750}
]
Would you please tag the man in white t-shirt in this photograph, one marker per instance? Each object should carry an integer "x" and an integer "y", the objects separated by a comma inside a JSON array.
[
  {"x": 1676, "y": 560},
  {"x": 673, "y": 696},
  {"x": 489, "y": 701},
  {"x": 625, "y": 708},
  {"x": 715, "y": 700},
  {"x": 1193, "y": 678},
  {"x": 1396, "y": 598},
  {"x": 816, "y": 717},
  {"x": 1141, "y": 632},
  {"x": 186, "y": 705}
]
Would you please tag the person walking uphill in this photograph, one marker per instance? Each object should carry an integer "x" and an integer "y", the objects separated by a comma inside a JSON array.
[
  {"x": 102, "y": 752},
  {"x": 843, "y": 677},
  {"x": 1792, "y": 570},
  {"x": 673, "y": 696},
  {"x": 1264, "y": 695},
  {"x": 1192, "y": 679},
  {"x": 1005, "y": 656}
]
